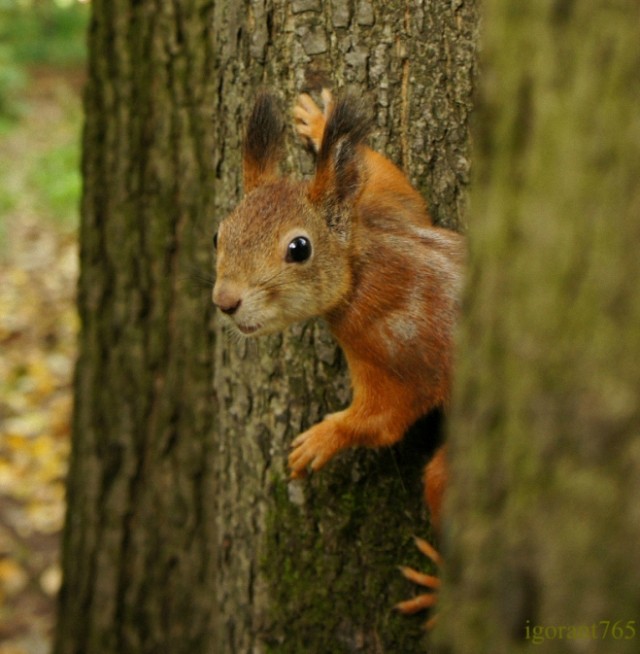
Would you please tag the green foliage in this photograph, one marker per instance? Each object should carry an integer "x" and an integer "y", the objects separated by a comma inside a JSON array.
[
  {"x": 44, "y": 33},
  {"x": 11, "y": 83},
  {"x": 56, "y": 179},
  {"x": 40, "y": 160},
  {"x": 39, "y": 120}
]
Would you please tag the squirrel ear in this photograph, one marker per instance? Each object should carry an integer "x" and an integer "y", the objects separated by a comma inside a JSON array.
[
  {"x": 262, "y": 143},
  {"x": 339, "y": 168}
]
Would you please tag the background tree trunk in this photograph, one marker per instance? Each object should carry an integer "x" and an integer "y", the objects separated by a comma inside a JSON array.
[
  {"x": 138, "y": 570},
  {"x": 183, "y": 533},
  {"x": 545, "y": 438}
]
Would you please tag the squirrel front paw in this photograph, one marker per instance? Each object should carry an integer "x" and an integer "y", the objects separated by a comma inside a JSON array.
[
  {"x": 310, "y": 120},
  {"x": 315, "y": 447}
]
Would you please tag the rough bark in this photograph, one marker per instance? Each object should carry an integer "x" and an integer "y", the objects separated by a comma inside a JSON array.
[
  {"x": 324, "y": 576},
  {"x": 137, "y": 562},
  {"x": 183, "y": 533},
  {"x": 545, "y": 442}
]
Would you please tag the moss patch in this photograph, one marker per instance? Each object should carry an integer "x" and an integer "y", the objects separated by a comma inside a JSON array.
[{"x": 331, "y": 559}]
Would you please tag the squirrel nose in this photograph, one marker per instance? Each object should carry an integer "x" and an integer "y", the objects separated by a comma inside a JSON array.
[
  {"x": 229, "y": 308},
  {"x": 226, "y": 300}
]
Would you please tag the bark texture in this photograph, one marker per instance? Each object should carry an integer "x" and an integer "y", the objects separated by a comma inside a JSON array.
[
  {"x": 325, "y": 577},
  {"x": 543, "y": 541},
  {"x": 137, "y": 561},
  {"x": 183, "y": 533}
]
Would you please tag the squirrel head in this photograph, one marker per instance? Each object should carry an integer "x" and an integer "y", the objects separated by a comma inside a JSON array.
[{"x": 284, "y": 254}]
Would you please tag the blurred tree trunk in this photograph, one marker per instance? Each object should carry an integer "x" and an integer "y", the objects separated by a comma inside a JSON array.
[
  {"x": 545, "y": 526},
  {"x": 183, "y": 533}
]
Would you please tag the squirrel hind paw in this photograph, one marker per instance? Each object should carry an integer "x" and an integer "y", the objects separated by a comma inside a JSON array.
[
  {"x": 428, "y": 550},
  {"x": 422, "y": 601},
  {"x": 419, "y": 603},
  {"x": 309, "y": 119},
  {"x": 420, "y": 578}
]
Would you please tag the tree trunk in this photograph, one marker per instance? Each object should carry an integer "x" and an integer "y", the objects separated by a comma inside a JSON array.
[
  {"x": 183, "y": 532},
  {"x": 137, "y": 564},
  {"x": 545, "y": 530}
]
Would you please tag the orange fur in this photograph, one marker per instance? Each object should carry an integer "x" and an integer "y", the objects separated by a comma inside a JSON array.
[
  {"x": 387, "y": 280},
  {"x": 395, "y": 380},
  {"x": 436, "y": 477},
  {"x": 255, "y": 174},
  {"x": 391, "y": 390},
  {"x": 384, "y": 182}
]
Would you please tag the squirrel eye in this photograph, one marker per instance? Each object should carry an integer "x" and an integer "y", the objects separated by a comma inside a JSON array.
[
  {"x": 299, "y": 250},
  {"x": 215, "y": 241}
]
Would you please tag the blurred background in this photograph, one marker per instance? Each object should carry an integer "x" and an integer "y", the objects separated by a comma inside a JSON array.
[{"x": 42, "y": 70}]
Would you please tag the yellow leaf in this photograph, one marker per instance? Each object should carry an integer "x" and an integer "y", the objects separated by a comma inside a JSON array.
[{"x": 12, "y": 577}]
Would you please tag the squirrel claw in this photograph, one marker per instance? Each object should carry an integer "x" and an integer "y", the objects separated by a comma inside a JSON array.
[
  {"x": 313, "y": 448},
  {"x": 428, "y": 550},
  {"x": 327, "y": 100},
  {"x": 306, "y": 105},
  {"x": 298, "y": 474},
  {"x": 424, "y": 600},
  {"x": 310, "y": 119},
  {"x": 416, "y": 604},
  {"x": 428, "y": 581}
]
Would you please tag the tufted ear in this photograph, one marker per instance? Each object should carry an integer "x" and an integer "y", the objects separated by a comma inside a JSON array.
[
  {"x": 340, "y": 167},
  {"x": 262, "y": 149}
]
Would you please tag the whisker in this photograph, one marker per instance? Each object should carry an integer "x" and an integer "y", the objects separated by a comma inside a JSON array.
[
  {"x": 279, "y": 285},
  {"x": 274, "y": 276},
  {"x": 288, "y": 282},
  {"x": 196, "y": 274},
  {"x": 233, "y": 334},
  {"x": 237, "y": 338}
]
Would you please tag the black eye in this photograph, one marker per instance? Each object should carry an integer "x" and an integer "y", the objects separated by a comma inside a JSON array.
[
  {"x": 299, "y": 250},
  {"x": 215, "y": 241}
]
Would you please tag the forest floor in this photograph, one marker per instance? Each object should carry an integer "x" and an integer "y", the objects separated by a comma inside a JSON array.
[{"x": 39, "y": 196}]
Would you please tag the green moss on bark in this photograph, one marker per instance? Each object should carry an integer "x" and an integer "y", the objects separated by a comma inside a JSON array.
[{"x": 325, "y": 535}]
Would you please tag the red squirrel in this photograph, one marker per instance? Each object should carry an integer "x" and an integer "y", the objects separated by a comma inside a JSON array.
[{"x": 356, "y": 246}]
